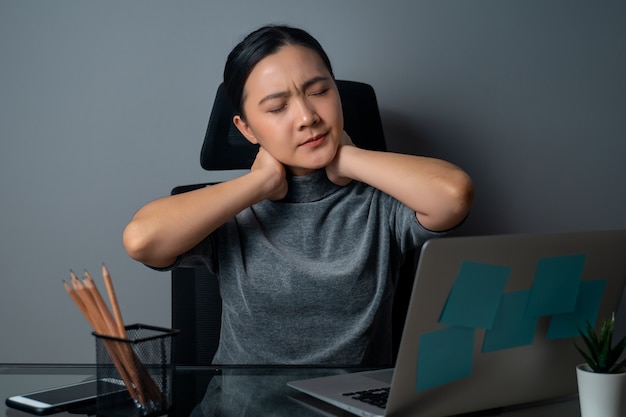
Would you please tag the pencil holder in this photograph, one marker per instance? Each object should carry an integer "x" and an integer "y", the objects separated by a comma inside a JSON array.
[{"x": 135, "y": 373}]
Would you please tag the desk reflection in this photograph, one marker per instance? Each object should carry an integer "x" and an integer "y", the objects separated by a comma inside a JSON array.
[
  {"x": 240, "y": 392},
  {"x": 231, "y": 391}
]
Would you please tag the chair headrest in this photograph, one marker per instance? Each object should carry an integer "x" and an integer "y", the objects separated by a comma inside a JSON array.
[{"x": 225, "y": 147}]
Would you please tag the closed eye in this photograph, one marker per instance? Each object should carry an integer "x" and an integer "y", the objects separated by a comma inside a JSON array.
[
  {"x": 278, "y": 109},
  {"x": 320, "y": 92}
]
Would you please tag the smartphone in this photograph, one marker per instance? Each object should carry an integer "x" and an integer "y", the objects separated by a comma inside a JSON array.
[{"x": 58, "y": 399}]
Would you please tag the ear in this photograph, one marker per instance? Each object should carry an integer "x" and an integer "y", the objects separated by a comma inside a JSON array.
[{"x": 245, "y": 129}]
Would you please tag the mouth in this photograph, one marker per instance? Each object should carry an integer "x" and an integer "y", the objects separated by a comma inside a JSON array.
[{"x": 315, "y": 140}]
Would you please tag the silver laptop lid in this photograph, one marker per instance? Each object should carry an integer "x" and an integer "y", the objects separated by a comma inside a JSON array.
[{"x": 492, "y": 318}]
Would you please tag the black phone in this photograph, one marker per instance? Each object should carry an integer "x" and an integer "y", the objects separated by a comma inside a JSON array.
[{"x": 64, "y": 398}]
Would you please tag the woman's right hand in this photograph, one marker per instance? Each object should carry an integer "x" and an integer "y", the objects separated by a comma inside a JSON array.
[
  {"x": 167, "y": 227},
  {"x": 270, "y": 166}
]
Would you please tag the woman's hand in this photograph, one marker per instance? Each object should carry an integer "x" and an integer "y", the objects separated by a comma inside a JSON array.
[
  {"x": 165, "y": 228},
  {"x": 270, "y": 166},
  {"x": 439, "y": 192},
  {"x": 333, "y": 170}
]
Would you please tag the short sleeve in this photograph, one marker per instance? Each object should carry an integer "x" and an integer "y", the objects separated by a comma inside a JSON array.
[{"x": 200, "y": 255}]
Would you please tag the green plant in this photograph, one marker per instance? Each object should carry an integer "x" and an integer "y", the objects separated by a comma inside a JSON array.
[{"x": 601, "y": 356}]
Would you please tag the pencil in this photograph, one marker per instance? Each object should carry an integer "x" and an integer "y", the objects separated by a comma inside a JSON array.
[
  {"x": 88, "y": 299},
  {"x": 100, "y": 306},
  {"x": 113, "y": 299},
  {"x": 82, "y": 300},
  {"x": 121, "y": 353}
]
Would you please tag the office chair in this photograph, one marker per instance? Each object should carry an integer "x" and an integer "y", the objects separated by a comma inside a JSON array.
[{"x": 196, "y": 302}]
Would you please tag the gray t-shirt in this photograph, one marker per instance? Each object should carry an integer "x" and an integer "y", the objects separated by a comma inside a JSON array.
[{"x": 310, "y": 279}]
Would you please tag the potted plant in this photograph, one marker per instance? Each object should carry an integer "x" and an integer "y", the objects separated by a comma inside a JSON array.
[{"x": 602, "y": 378}]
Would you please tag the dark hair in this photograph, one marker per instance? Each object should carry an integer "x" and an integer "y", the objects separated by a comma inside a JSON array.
[{"x": 257, "y": 45}]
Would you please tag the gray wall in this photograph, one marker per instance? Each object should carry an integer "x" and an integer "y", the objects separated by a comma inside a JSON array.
[{"x": 103, "y": 107}]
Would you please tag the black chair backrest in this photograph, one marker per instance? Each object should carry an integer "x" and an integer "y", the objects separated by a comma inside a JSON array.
[
  {"x": 196, "y": 303},
  {"x": 196, "y": 310}
]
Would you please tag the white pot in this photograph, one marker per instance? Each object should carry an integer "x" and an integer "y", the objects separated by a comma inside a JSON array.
[{"x": 601, "y": 395}]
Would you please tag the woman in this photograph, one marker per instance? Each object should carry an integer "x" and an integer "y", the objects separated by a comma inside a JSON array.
[{"x": 306, "y": 245}]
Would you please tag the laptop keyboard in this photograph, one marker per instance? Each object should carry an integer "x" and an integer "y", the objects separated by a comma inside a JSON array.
[{"x": 376, "y": 397}]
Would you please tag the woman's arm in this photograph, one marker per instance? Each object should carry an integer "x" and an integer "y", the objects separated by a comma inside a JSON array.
[
  {"x": 439, "y": 192},
  {"x": 165, "y": 228}
]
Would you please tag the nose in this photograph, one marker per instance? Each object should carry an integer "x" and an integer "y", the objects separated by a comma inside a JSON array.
[{"x": 307, "y": 116}]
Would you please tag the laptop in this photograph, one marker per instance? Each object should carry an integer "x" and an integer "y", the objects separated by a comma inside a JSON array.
[{"x": 492, "y": 322}]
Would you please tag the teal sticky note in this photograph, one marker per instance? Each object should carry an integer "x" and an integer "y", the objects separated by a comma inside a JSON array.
[
  {"x": 587, "y": 308},
  {"x": 444, "y": 356},
  {"x": 555, "y": 286},
  {"x": 511, "y": 327},
  {"x": 474, "y": 298}
]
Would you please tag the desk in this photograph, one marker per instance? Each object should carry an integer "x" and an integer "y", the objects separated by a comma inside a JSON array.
[{"x": 229, "y": 391}]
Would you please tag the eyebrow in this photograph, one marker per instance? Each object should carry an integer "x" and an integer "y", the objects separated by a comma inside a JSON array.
[{"x": 304, "y": 86}]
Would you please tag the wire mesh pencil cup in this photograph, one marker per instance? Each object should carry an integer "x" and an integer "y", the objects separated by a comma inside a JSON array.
[{"x": 142, "y": 362}]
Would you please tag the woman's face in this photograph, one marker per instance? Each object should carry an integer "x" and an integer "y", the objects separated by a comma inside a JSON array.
[{"x": 292, "y": 109}]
